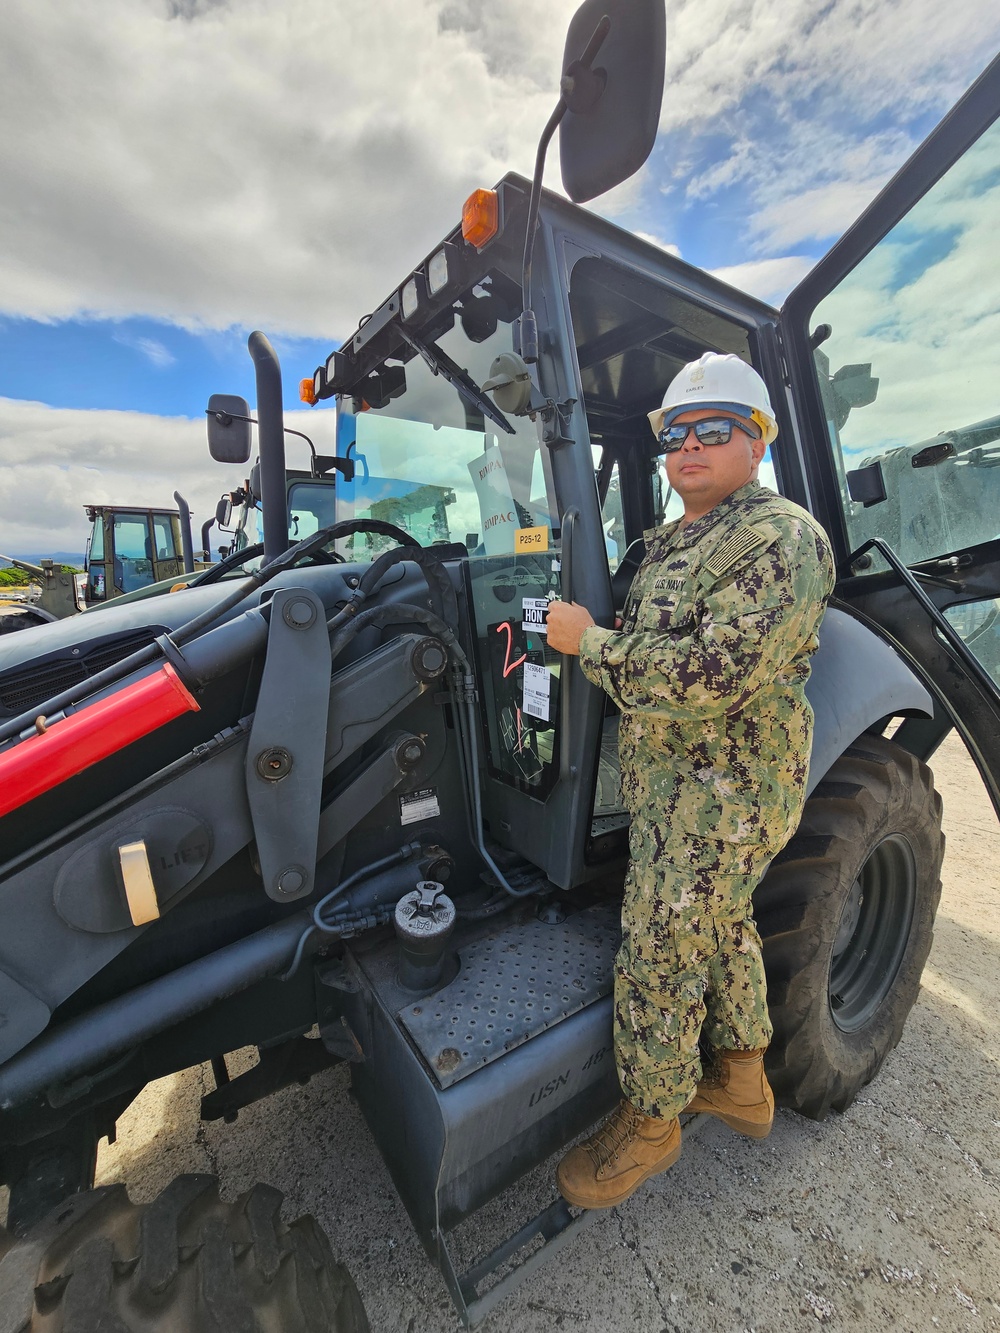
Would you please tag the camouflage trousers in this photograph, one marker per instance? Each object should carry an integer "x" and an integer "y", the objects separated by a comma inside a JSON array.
[{"x": 685, "y": 973}]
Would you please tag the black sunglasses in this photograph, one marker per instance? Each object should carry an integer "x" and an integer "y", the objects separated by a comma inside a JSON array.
[{"x": 717, "y": 430}]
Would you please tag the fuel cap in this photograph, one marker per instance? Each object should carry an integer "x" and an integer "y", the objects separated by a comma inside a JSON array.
[{"x": 424, "y": 921}]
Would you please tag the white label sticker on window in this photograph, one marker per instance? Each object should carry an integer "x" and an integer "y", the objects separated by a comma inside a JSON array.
[
  {"x": 496, "y": 507},
  {"x": 536, "y": 691},
  {"x": 533, "y": 611},
  {"x": 418, "y": 805}
]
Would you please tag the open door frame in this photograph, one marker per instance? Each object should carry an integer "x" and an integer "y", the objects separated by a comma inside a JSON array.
[{"x": 965, "y": 696}]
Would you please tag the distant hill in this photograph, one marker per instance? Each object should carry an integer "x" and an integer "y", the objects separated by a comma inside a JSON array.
[{"x": 60, "y": 557}]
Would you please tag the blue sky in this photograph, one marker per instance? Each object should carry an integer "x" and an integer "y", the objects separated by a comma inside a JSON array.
[
  {"x": 178, "y": 172},
  {"x": 138, "y": 365}
]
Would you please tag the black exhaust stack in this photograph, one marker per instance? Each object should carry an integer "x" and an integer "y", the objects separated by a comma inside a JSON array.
[{"x": 271, "y": 442}]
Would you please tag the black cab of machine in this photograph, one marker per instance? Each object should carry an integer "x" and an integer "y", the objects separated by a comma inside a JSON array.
[{"x": 526, "y": 440}]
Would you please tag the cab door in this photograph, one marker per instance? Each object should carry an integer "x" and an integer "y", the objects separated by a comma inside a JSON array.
[
  {"x": 166, "y": 546},
  {"x": 892, "y": 347}
]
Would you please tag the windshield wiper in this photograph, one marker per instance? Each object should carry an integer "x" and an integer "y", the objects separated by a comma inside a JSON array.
[{"x": 440, "y": 363}]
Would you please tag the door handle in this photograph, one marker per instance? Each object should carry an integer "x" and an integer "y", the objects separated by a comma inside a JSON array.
[{"x": 568, "y": 529}]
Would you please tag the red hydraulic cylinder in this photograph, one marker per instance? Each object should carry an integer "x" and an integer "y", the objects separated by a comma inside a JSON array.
[{"x": 69, "y": 746}]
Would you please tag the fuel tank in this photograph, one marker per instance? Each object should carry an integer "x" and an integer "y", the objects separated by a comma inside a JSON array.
[{"x": 467, "y": 1088}]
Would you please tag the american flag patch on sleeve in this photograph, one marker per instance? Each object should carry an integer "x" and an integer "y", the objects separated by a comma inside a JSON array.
[{"x": 740, "y": 542}]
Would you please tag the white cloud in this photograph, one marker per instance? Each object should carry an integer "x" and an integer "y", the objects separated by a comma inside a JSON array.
[
  {"x": 151, "y": 348},
  {"x": 767, "y": 279},
  {"x": 53, "y": 461},
  {"x": 817, "y": 214},
  {"x": 264, "y": 163},
  {"x": 809, "y": 110},
  {"x": 655, "y": 240},
  {"x": 866, "y": 57},
  {"x": 279, "y": 163}
]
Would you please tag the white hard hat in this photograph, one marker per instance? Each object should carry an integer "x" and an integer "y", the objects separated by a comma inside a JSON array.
[{"x": 722, "y": 383}]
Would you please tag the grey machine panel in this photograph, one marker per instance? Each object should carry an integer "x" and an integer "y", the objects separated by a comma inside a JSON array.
[{"x": 857, "y": 678}]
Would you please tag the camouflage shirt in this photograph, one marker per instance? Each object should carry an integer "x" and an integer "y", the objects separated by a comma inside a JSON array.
[{"x": 709, "y": 671}]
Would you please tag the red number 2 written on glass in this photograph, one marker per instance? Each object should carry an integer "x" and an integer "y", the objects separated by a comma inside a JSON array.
[{"x": 508, "y": 665}]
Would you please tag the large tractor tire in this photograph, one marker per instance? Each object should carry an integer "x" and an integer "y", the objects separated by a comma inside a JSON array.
[
  {"x": 14, "y": 618},
  {"x": 846, "y": 915},
  {"x": 185, "y": 1263}
]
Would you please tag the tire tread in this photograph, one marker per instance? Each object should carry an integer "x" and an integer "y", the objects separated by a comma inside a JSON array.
[
  {"x": 101, "y": 1264},
  {"x": 875, "y": 788}
]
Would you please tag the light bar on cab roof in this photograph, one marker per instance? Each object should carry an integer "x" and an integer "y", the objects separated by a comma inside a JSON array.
[
  {"x": 412, "y": 296},
  {"x": 444, "y": 269},
  {"x": 335, "y": 372}
]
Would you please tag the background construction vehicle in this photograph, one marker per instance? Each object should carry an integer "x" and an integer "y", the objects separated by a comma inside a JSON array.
[
  {"x": 360, "y": 812},
  {"x": 129, "y": 549}
]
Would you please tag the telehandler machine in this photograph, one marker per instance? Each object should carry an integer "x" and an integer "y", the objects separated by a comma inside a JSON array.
[{"x": 358, "y": 811}]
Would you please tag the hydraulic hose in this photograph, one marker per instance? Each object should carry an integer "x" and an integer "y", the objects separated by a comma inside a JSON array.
[
  {"x": 322, "y": 920},
  {"x": 66, "y": 701},
  {"x": 393, "y": 614},
  {"x": 77, "y": 741},
  {"x": 462, "y": 694},
  {"x": 208, "y": 659}
]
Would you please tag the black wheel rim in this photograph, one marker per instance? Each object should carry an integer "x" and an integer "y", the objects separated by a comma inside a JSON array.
[{"x": 872, "y": 935}]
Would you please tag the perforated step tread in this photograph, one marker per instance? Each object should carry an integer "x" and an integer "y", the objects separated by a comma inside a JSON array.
[{"x": 512, "y": 985}]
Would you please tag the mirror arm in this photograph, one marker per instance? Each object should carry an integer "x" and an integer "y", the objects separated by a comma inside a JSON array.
[
  {"x": 226, "y": 419},
  {"x": 527, "y": 324},
  {"x": 323, "y": 463}
]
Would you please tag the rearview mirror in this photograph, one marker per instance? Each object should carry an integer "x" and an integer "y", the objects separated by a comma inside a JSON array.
[
  {"x": 228, "y": 428},
  {"x": 224, "y": 512},
  {"x": 614, "y": 109}
]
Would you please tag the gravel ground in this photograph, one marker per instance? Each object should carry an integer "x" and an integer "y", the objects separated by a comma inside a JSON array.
[{"x": 886, "y": 1217}]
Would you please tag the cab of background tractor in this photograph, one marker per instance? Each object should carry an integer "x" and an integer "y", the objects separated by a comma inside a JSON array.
[{"x": 129, "y": 549}]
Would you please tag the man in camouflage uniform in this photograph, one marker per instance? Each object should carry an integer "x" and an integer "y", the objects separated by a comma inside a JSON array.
[{"x": 708, "y": 668}]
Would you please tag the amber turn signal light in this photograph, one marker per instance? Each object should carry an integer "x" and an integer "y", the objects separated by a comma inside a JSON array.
[
  {"x": 307, "y": 390},
  {"x": 480, "y": 217}
]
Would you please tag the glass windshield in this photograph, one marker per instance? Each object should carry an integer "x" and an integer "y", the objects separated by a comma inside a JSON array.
[
  {"x": 97, "y": 539},
  {"x": 133, "y": 552},
  {"x": 131, "y": 537},
  {"x": 166, "y": 543},
  {"x": 249, "y": 523},
  {"x": 430, "y": 463},
  {"x": 310, "y": 507},
  {"x": 908, "y": 371}
]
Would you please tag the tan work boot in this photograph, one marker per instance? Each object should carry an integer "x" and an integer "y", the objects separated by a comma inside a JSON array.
[
  {"x": 609, "y": 1166},
  {"x": 739, "y": 1094}
]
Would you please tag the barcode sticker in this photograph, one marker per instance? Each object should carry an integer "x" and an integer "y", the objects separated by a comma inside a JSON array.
[{"x": 537, "y": 683}]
